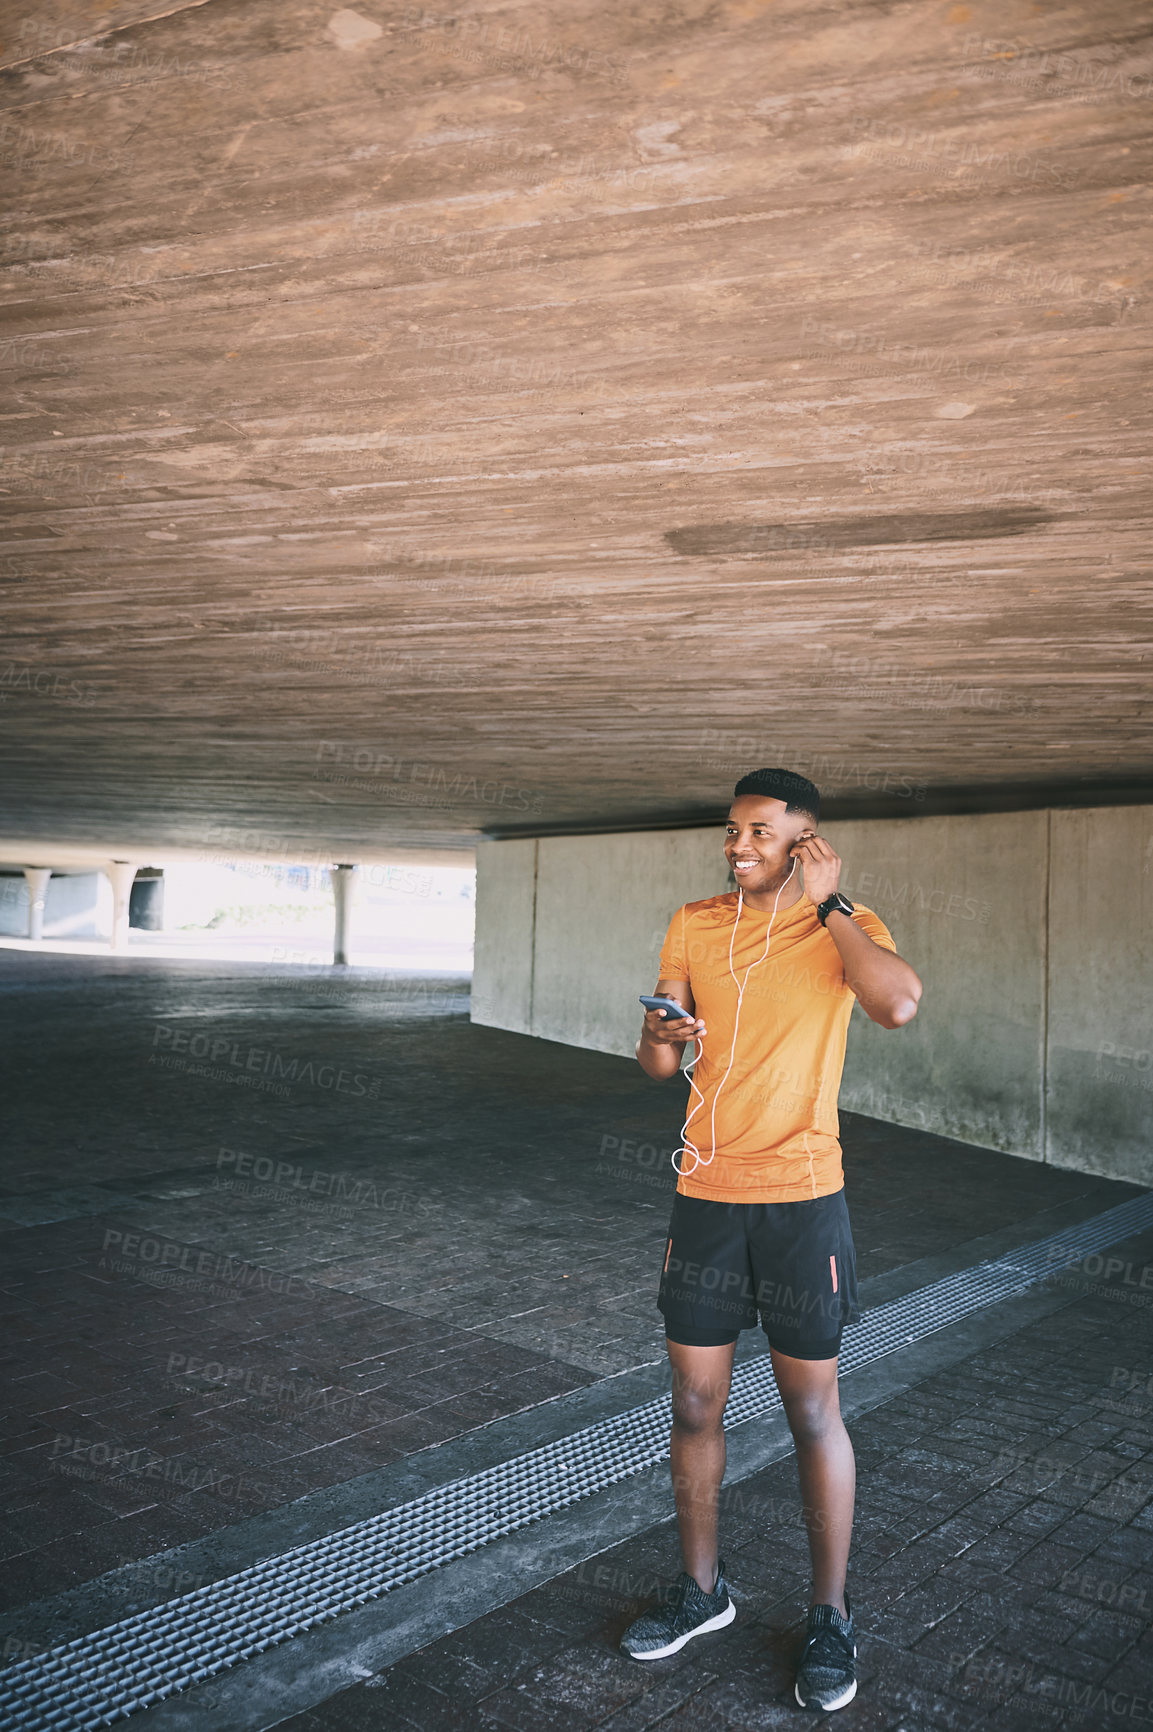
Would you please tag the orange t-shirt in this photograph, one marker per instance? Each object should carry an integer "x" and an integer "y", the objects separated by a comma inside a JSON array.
[{"x": 777, "y": 1130}]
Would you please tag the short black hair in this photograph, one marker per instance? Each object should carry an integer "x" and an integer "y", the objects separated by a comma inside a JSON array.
[{"x": 798, "y": 793}]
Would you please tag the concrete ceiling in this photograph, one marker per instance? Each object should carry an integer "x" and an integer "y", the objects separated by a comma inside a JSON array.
[{"x": 425, "y": 421}]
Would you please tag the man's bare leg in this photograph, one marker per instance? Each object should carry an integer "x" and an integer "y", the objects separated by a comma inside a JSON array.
[
  {"x": 701, "y": 1378},
  {"x": 826, "y": 1465}
]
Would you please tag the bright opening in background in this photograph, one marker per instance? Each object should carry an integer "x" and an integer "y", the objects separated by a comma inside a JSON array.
[
  {"x": 410, "y": 917},
  {"x": 413, "y": 918}
]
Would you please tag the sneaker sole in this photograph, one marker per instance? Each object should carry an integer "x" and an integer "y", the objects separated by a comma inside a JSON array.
[
  {"x": 717, "y": 1623},
  {"x": 827, "y": 1707}
]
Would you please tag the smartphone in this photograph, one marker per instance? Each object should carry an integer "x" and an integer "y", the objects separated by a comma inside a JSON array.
[{"x": 676, "y": 1011}]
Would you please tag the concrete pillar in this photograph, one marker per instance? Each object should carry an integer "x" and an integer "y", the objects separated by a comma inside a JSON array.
[
  {"x": 37, "y": 877},
  {"x": 146, "y": 902},
  {"x": 120, "y": 874},
  {"x": 342, "y": 897}
]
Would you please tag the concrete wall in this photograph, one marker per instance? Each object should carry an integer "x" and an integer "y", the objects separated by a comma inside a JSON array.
[
  {"x": 1099, "y": 1114},
  {"x": 502, "y": 968},
  {"x": 964, "y": 898},
  {"x": 1032, "y": 931},
  {"x": 562, "y": 924},
  {"x": 603, "y": 906}
]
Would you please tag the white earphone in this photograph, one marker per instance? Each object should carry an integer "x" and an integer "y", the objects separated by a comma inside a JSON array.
[{"x": 688, "y": 1147}]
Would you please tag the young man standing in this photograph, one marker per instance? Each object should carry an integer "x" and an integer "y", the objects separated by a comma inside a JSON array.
[{"x": 768, "y": 975}]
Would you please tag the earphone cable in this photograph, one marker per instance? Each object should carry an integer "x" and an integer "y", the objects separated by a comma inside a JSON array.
[{"x": 687, "y": 1147}]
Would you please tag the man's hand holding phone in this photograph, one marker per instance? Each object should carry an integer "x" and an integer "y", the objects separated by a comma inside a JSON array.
[{"x": 668, "y": 1023}]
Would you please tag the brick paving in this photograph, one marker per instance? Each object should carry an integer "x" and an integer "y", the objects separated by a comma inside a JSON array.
[
  {"x": 220, "y": 1294},
  {"x": 1002, "y": 1572}
]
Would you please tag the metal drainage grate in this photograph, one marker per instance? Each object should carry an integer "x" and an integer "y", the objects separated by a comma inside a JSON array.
[{"x": 104, "y": 1677}]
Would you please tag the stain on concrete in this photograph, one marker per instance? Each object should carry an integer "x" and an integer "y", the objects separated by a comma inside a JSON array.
[{"x": 715, "y": 540}]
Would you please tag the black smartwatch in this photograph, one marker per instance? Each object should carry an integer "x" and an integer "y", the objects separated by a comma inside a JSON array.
[{"x": 836, "y": 900}]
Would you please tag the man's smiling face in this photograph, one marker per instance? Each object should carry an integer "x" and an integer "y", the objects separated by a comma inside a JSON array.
[{"x": 758, "y": 837}]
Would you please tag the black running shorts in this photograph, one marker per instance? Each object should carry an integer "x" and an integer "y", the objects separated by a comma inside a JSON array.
[{"x": 791, "y": 1263}]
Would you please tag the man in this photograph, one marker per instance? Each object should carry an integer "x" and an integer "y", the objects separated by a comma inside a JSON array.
[{"x": 768, "y": 975}]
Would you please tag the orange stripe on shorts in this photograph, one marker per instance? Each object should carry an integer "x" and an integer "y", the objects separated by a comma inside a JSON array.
[
  {"x": 668, "y": 1254},
  {"x": 833, "y": 1270}
]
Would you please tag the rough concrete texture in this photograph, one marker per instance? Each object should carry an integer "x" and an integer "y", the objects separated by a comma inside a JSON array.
[
  {"x": 424, "y": 420},
  {"x": 1100, "y": 1065},
  {"x": 603, "y": 907},
  {"x": 503, "y": 949},
  {"x": 1030, "y": 931},
  {"x": 568, "y": 930},
  {"x": 964, "y": 898}
]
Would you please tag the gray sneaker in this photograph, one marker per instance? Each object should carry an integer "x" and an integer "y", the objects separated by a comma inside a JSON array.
[
  {"x": 827, "y": 1674},
  {"x": 688, "y": 1612}
]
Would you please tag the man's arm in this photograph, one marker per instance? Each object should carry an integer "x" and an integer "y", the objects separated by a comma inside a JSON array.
[
  {"x": 886, "y": 987},
  {"x": 662, "y": 1043}
]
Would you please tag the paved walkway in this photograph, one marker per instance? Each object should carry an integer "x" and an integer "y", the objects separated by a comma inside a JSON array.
[
  {"x": 1002, "y": 1571},
  {"x": 268, "y": 1233}
]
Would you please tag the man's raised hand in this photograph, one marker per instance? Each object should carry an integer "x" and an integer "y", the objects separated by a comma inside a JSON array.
[{"x": 822, "y": 867}]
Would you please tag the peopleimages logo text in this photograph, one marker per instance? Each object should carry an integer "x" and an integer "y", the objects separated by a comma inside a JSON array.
[
  {"x": 221, "y": 1049},
  {"x": 433, "y": 781}
]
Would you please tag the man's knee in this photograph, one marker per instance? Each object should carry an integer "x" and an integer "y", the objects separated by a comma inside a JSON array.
[
  {"x": 699, "y": 1407},
  {"x": 812, "y": 1417}
]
